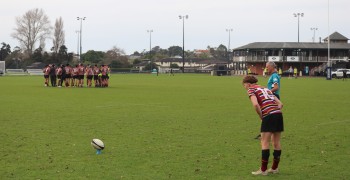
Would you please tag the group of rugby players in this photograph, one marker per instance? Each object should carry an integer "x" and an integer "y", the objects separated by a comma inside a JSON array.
[{"x": 74, "y": 76}]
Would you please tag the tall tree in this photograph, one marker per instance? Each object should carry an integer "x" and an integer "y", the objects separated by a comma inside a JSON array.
[
  {"x": 219, "y": 53},
  {"x": 31, "y": 27},
  {"x": 62, "y": 55},
  {"x": 58, "y": 36},
  {"x": 116, "y": 58},
  {"x": 175, "y": 51},
  {"x": 4, "y": 51},
  {"x": 93, "y": 56},
  {"x": 37, "y": 56}
]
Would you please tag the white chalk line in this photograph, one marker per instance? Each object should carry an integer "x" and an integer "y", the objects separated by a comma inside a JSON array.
[
  {"x": 128, "y": 104},
  {"x": 333, "y": 122}
]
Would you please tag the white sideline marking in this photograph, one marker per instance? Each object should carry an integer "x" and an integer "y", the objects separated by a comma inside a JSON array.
[
  {"x": 334, "y": 122},
  {"x": 127, "y": 104}
]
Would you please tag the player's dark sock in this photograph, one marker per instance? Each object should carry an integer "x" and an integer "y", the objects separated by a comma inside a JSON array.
[
  {"x": 265, "y": 153},
  {"x": 276, "y": 158}
]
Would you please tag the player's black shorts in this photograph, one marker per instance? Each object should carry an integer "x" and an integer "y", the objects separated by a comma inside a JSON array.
[
  {"x": 68, "y": 76},
  {"x": 46, "y": 76},
  {"x": 75, "y": 76},
  {"x": 272, "y": 123},
  {"x": 95, "y": 77},
  {"x": 107, "y": 77},
  {"x": 89, "y": 77},
  {"x": 104, "y": 77},
  {"x": 59, "y": 76},
  {"x": 80, "y": 77}
]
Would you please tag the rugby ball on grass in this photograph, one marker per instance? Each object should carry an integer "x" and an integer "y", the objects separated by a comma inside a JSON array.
[{"x": 97, "y": 144}]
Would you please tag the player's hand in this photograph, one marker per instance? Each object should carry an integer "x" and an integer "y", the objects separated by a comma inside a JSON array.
[{"x": 280, "y": 106}]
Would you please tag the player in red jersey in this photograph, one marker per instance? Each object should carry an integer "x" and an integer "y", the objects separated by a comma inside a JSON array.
[
  {"x": 268, "y": 107},
  {"x": 104, "y": 70},
  {"x": 81, "y": 70},
  {"x": 59, "y": 75},
  {"x": 68, "y": 70},
  {"x": 89, "y": 74},
  {"x": 74, "y": 82},
  {"x": 46, "y": 72},
  {"x": 96, "y": 72}
]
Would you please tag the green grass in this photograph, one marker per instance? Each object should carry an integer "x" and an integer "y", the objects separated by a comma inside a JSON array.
[{"x": 168, "y": 127}]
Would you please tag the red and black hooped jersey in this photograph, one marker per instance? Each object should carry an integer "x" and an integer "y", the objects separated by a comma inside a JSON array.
[{"x": 266, "y": 100}]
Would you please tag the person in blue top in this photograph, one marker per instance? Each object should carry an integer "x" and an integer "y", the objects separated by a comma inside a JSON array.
[{"x": 273, "y": 83}]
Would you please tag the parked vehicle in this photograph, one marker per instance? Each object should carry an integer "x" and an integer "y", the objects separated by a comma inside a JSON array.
[{"x": 339, "y": 73}]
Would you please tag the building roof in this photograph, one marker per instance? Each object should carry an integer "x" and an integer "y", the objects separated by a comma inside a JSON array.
[
  {"x": 292, "y": 45},
  {"x": 336, "y": 36},
  {"x": 194, "y": 60}
]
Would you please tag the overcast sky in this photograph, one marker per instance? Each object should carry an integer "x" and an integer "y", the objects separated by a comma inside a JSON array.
[{"x": 125, "y": 23}]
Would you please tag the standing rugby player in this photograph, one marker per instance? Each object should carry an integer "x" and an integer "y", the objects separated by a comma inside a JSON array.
[
  {"x": 59, "y": 75},
  {"x": 89, "y": 75},
  {"x": 75, "y": 77},
  {"x": 81, "y": 75},
  {"x": 96, "y": 72},
  {"x": 268, "y": 108},
  {"x": 53, "y": 75},
  {"x": 46, "y": 72},
  {"x": 68, "y": 75},
  {"x": 104, "y": 75}
]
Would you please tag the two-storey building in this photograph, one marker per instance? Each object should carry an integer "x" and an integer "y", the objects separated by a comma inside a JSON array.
[{"x": 310, "y": 55}]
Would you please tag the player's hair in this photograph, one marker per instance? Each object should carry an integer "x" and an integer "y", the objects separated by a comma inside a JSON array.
[
  {"x": 250, "y": 79},
  {"x": 270, "y": 63}
]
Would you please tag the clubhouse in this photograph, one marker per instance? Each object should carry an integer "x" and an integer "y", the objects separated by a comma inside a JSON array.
[{"x": 310, "y": 55}]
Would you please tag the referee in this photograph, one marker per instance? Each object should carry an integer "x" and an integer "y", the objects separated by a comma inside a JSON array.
[{"x": 273, "y": 84}]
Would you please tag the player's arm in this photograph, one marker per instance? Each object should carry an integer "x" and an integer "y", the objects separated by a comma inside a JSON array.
[
  {"x": 275, "y": 87},
  {"x": 279, "y": 103},
  {"x": 256, "y": 105}
]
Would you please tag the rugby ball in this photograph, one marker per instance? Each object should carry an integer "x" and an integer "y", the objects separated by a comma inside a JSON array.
[{"x": 97, "y": 144}]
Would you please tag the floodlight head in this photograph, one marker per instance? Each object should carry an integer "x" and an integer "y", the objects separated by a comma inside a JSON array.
[
  {"x": 302, "y": 14},
  {"x": 186, "y": 16},
  {"x": 295, "y": 15},
  {"x": 180, "y": 17},
  {"x": 84, "y": 18}
]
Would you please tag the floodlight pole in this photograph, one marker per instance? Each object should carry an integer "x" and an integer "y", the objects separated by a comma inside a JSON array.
[
  {"x": 228, "y": 48},
  {"x": 183, "y": 41},
  {"x": 329, "y": 66},
  {"x": 150, "y": 47},
  {"x": 298, "y": 15},
  {"x": 78, "y": 33},
  {"x": 81, "y": 32},
  {"x": 314, "y": 29}
]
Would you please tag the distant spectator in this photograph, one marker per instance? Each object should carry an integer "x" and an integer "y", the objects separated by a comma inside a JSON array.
[
  {"x": 265, "y": 72},
  {"x": 280, "y": 72},
  {"x": 290, "y": 72},
  {"x": 306, "y": 70}
]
